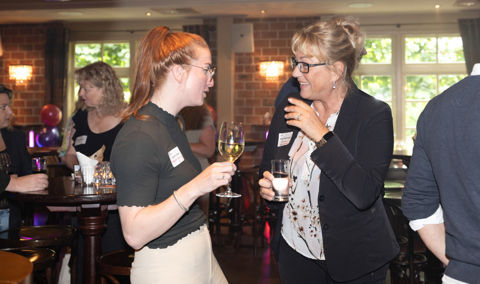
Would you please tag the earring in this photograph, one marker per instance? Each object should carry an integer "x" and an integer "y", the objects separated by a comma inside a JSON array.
[{"x": 334, "y": 84}]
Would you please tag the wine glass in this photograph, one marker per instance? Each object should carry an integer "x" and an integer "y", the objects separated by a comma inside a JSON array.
[
  {"x": 230, "y": 145},
  {"x": 39, "y": 165}
]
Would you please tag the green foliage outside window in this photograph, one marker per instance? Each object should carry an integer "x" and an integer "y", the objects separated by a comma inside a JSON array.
[
  {"x": 87, "y": 53},
  {"x": 117, "y": 54},
  {"x": 379, "y": 50},
  {"x": 421, "y": 87},
  {"x": 450, "y": 50},
  {"x": 126, "y": 88},
  {"x": 418, "y": 90},
  {"x": 446, "y": 81},
  {"x": 378, "y": 86},
  {"x": 421, "y": 50}
]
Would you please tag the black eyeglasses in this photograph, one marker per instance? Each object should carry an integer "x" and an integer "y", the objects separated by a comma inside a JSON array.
[
  {"x": 302, "y": 66},
  {"x": 209, "y": 71}
]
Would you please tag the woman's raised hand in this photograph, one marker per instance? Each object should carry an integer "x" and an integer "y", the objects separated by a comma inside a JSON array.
[{"x": 303, "y": 116}]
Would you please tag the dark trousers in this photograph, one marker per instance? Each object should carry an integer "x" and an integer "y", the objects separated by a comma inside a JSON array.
[{"x": 294, "y": 268}]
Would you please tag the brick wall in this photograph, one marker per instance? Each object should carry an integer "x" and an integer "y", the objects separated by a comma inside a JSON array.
[
  {"x": 254, "y": 96},
  {"x": 25, "y": 44}
]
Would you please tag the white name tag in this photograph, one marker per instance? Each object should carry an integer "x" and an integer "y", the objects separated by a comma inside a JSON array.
[
  {"x": 81, "y": 140},
  {"x": 175, "y": 157},
  {"x": 284, "y": 139}
]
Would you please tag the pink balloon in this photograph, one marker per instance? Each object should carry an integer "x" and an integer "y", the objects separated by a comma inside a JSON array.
[{"x": 51, "y": 115}]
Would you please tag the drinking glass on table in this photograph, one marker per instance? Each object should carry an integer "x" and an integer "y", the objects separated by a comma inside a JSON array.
[
  {"x": 280, "y": 172},
  {"x": 230, "y": 145},
  {"x": 39, "y": 165}
]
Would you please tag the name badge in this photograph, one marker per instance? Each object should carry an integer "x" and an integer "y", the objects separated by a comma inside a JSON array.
[
  {"x": 284, "y": 138},
  {"x": 175, "y": 157},
  {"x": 81, "y": 140}
]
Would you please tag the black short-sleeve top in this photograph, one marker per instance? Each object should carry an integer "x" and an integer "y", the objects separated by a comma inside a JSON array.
[
  {"x": 151, "y": 159},
  {"x": 87, "y": 142}
]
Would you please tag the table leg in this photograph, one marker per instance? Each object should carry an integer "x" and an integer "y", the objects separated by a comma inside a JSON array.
[{"x": 92, "y": 219}]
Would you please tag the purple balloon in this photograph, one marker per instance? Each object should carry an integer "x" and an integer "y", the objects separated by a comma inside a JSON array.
[{"x": 48, "y": 137}]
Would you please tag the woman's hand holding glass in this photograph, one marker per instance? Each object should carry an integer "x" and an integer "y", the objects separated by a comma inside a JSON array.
[
  {"x": 266, "y": 186},
  {"x": 216, "y": 175},
  {"x": 32, "y": 182}
]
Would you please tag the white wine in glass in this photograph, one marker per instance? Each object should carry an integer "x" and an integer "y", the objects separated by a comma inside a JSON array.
[{"x": 230, "y": 145}]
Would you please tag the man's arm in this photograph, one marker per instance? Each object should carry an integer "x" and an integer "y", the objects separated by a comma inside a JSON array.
[{"x": 433, "y": 235}]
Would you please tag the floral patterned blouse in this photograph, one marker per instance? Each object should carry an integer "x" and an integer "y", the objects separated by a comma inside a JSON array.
[{"x": 301, "y": 226}]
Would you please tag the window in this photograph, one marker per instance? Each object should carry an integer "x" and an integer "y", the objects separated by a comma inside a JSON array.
[{"x": 428, "y": 65}]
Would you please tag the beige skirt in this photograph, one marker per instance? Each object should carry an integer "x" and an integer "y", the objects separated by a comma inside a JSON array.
[{"x": 190, "y": 260}]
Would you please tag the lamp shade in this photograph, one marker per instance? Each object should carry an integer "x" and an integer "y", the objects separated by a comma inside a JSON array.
[
  {"x": 271, "y": 69},
  {"x": 20, "y": 73}
]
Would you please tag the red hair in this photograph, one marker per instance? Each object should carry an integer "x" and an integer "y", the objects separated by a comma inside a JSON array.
[{"x": 158, "y": 50}]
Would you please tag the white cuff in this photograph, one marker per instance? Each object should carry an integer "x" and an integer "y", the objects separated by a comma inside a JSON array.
[{"x": 436, "y": 218}]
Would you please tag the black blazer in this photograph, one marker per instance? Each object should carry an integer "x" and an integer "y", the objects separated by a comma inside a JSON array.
[
  {"x": 358, "y": 237},
  {"x": 15, "y": 141}
]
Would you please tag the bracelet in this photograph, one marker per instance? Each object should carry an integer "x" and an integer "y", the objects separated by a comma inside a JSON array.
[{"x": 179, "y": 204}]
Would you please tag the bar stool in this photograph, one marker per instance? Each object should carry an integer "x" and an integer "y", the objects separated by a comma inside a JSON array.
[
  {"x": 15, "y": 268},
  {"x": 115, "y": 263},
  {"x": 408, "y": 263},
  {"x": 43, "y": 261},
  {"x": 54, "y": 237},
  {"x": 255, "y": 213}
]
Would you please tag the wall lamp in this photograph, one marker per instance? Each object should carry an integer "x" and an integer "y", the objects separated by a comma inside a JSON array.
[
  {"x": 20, "y": 73},
  {"x": 271, "y": 69}
]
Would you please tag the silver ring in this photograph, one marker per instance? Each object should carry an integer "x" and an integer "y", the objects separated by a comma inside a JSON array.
[{"x": 298, "y": 116}]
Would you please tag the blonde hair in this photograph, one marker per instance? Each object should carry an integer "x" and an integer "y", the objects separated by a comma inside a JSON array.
[
  {"x": 102, "y": 75},
  {"x": 337, "y": 39},
  {"x": 158, "y": 50}
]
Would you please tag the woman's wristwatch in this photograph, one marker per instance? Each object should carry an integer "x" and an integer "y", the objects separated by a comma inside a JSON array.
[{"x": 324, "y": 139}]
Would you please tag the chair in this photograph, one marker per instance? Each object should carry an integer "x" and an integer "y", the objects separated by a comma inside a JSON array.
[
  {"x": 54, "y": 237},
  {"x": 407, "y": 263},
  {"x": 115, "y": 263},
  {"x": 43, "y": 261},
  {"x": 254, "y": 210}
]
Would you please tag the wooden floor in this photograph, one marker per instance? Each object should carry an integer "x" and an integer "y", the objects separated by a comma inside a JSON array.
[{"x": 240, "y": 265}]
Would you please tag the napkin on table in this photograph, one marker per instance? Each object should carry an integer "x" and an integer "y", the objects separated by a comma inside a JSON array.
[{"x": 87, "y": 166}]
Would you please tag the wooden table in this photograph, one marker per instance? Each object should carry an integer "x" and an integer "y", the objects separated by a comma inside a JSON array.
[
  {"x": 15, "y": 268},
  {"x": 91, "y": 205}
]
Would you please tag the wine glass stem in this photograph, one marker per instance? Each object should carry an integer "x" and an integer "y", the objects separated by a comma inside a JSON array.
[{"x": 229, "y": 189}]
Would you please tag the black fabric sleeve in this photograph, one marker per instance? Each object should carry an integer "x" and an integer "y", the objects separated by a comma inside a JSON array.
[
  {"x": 4, "y": 181},
  {"x": 361, "y": 178}
]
